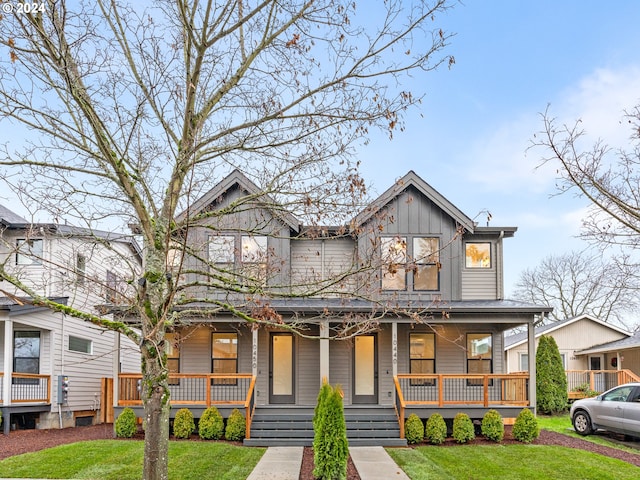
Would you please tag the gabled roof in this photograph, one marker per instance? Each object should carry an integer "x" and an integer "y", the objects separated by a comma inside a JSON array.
[
  {"x": 513, "y": 341},
  {"x": 8, "y": 217},
  {"x": 622, "y": 344},
  {"x": 411, "y": 179},
  {"x": 240, "y": 180}
]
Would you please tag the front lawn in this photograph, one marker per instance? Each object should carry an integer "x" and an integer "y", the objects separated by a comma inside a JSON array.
[
  {"x": 508, "y": 462},
  {"x": 122, "y": 460}
]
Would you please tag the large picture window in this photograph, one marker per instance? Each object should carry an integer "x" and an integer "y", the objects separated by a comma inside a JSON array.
[
  {"x": 29, "y": 251},
  {"x": 422, "y": 356},
  {"x": 394, "y": 259},
  {"x": 426, "y": 256},
  {"x": 479, "y": 355},
  {"x": 477, "y": 255},
  {"x": 224, "y": 356}
]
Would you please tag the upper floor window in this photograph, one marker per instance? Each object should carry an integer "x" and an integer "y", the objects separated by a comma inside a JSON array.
[
  {"x": 80, "y": 345},
  {"x": 478, "y": 255},
  {"x": 81, "y": 268},
  {"x": 425, "y": 267},
  {"x": 394, "y": 259},
  {"x": 251, "y": 258},
  {"x": 222, "y": 249},
  {"x": 426, "y": 255},
  {"x": 111, "y": 287},
  {"x": 29, "y": 251}
]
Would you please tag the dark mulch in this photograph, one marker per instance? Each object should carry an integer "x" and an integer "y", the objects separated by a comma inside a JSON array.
[{"x": 23, "y": 441}]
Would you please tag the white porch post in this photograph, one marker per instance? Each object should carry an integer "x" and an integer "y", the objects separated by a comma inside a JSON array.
[
  {"x": 115, "y": 367},
  {"x": 324, "y": 351},
  {"x": 254, "y": 353},
  {"x": 531, "y": 349},
  {"x": 8, "y": 362},
  {"x": 394, "y": 349}
]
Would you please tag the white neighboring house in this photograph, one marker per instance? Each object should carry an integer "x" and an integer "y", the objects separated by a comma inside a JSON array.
[
  {"x": 39, "y": 348},
  {"x": 572, "y": 336}
]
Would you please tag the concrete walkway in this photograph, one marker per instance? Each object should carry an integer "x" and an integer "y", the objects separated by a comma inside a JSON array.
[{"x": 283, "y": 463}]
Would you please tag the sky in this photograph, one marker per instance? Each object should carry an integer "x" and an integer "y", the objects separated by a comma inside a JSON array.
[{"x": 470, "y": 140}]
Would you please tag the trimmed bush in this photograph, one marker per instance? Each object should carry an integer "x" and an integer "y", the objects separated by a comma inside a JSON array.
[
  {"x": 126, "y": 423},
  {"x": 492, "y": 426},
  {"x": 463, "y": 430},
  {"x": 183, "y": 424},
  {"x": 236, "y": 426},
  {"x": 526, "y": 427},
  {"x": 551, "y": 379},
  {"x": 436, "y": 429},
  {"x": 413, "y": 429},
  {"x": 211, "y": 424},
  {"x": 330, "y": 444}
]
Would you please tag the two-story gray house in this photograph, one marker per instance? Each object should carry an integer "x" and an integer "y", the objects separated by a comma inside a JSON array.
[{"x": 414, "y": 284}]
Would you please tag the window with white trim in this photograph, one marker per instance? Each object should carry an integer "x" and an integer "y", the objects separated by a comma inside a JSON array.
[
  {"x": 80, "y": 345},
  {"x": 29, "y": 251}
]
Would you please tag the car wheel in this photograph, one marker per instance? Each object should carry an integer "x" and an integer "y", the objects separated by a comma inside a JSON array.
[{"x": 582, "y": 423}]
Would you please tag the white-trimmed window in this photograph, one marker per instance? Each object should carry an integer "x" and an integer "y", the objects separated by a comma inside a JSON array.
[
  {"x": 80, "y": 345},
  {"x": 29, "y": 251},
  {"x": 477, "y": 255},
  {"x": 81, "y": 268}
]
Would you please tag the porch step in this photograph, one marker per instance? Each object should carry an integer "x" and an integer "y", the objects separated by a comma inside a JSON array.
[{"x": 293, "y": 426}]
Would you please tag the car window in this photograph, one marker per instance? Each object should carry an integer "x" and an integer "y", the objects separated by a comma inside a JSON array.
[
  {"x": 636, "y": 396},
  {"x": 618, "y": 395}
]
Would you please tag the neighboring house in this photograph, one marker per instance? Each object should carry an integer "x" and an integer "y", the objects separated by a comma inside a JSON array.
[
  {"x": 619, "y": 354},
  {"x": 38, "y": 347},
  {"x": 431, "y": 289},
  {"x": 572, "y": 336}
]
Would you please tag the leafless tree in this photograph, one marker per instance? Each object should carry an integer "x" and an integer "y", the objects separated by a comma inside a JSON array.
[
  {"x": 578, "y": 283},
  {"x": 126, "y": 113}
]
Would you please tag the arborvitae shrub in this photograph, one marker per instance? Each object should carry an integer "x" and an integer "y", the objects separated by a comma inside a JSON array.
[
  {"x": 492, "y": 426},
  {"x": 413, "y": 429},
  {"x": 526, "y": 427},
  {"x": 126, "y": 423},
  {"x": 330, "y": 444},
  {"x": 463, "y": 430},
  {"x": 183, "y": 424},
  {"x": 236, "y": 426},
  {"x": 211, "y": 424},
  {"x": 436, "y": 429},
  {"x": 551, "y": 379}
]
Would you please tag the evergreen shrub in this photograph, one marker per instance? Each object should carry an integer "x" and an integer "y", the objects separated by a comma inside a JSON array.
[
  {"x": 236, "y": 426},
  {"x": 183, "y": 424},
  {"x": 126, "y": 423},
  {"x": 463, "y": 430},
  {"x": 436, "y": 429},
  {"x": 211, "y": 424},
  {"x": 330, "y": 444},
  {"x": 413, "y": 429},
  {"x": 492, "y": 426},
  {"x": 526, "y": 428},
  {"x": 551, "y": 379}
]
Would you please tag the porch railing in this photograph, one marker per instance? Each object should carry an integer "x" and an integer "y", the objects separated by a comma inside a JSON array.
[
  {"x": 597, "y": 380},
  {"x": 458, "y": 389},
  {"x": 26, "y": 388},
  {"x": 197, "y": 389}
]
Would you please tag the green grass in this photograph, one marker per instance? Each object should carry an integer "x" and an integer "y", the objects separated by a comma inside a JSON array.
[
  {"x": 509, "y": 462},
  {"x": 516, "y": 461},
  {"x": 122, "y": 460}
]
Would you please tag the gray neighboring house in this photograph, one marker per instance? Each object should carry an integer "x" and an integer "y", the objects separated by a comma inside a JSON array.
[
  {"x": 39, "y": 348},
  {"x": 442, "y": 351}
]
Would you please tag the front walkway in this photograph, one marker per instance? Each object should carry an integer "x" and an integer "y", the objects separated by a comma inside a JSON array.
[{"x": 283, "y": 463}]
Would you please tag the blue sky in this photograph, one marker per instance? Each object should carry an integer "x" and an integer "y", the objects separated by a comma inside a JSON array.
[{"x": 513, "y": 58}]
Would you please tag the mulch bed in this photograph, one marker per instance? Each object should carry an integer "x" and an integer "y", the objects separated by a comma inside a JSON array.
[{"x": 24, "y": 441}]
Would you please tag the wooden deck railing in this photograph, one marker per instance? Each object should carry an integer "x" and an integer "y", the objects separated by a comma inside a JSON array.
[
  {"x": 458, "y": 389},
  {"x": 597, "y": 380},
  {"x": 197, "y": 389},
  {"x": 27, "y": 388}
]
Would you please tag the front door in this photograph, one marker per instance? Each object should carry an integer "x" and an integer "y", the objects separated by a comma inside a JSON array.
[
  {"x": 365, "y": 370},
  {"x": 281, "y": 369}
]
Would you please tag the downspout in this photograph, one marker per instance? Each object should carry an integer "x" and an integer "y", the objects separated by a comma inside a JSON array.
[
  {"x": 500, "y": 271},
  {"x": 61, "y": 369}
]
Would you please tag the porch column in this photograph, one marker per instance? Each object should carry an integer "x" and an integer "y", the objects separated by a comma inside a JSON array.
[
  {"x": 531, "y": 350},
  {"x": 324, "y": 350},
  {"x": 8, "y": 369},
  {"x": 115, "y": 367},
  {"x": 394, "y": 349},
  {"x": 254, "y": 353}
]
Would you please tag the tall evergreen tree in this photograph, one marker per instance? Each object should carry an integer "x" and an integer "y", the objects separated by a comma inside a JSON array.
[{"x": 551, "y": 379}]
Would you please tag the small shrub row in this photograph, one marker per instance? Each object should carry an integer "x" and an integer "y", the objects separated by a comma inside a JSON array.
[
  {"x": 525, "y": 428},
  {"x": 210, "y": 426}
]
